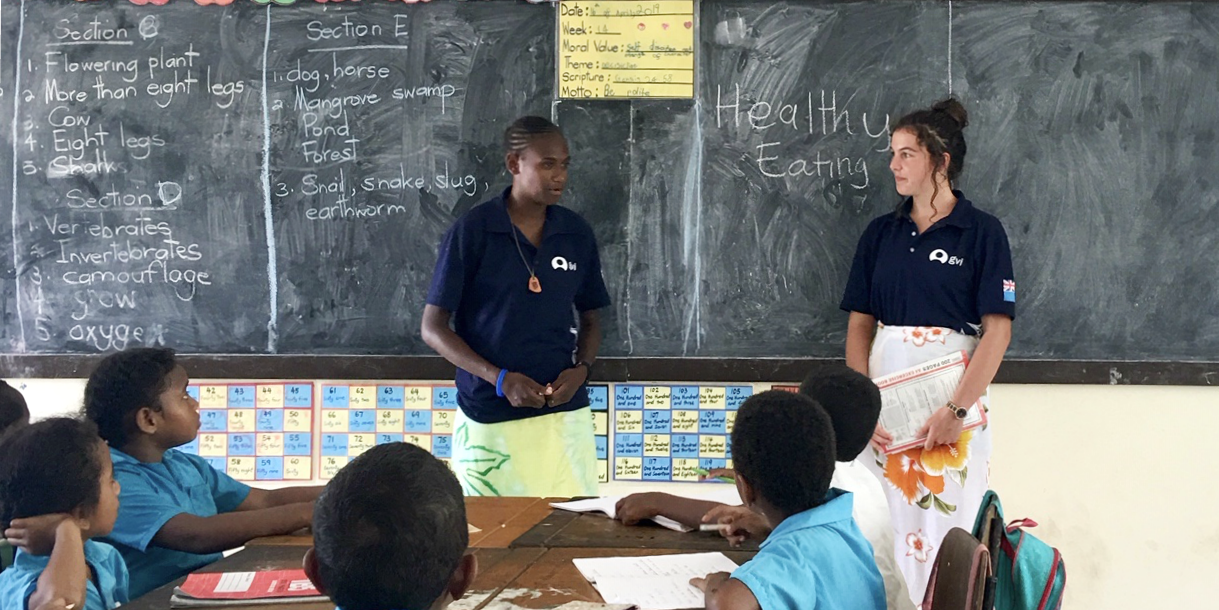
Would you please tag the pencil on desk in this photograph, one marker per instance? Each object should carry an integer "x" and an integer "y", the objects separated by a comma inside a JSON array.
[{"x": 713, "y": 527}]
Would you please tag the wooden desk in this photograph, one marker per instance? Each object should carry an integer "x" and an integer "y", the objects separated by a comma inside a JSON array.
[
  {"x": 501, "y": 520},
  {"x": 530, "y": 576},
  {"x": 562, "y": 529}
]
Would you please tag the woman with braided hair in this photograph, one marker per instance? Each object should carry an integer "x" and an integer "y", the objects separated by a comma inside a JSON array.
[{"x": 520, "y": 278}]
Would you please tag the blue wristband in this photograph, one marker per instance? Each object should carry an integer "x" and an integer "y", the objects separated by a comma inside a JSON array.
[{"x": 499, "y": 383}]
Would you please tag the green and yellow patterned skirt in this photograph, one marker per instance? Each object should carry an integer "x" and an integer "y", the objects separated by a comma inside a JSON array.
[{"x": 552, "y": 455}]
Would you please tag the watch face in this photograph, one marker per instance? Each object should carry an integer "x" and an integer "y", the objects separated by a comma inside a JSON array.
[{"x": 961, "y": 413}]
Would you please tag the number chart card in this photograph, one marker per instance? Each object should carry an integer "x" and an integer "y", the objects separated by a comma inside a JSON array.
[
  {"x": 598, "y": 401},
  {"x": 256, "y": 431},
  {"x": 668, "y": 433},
  {"x": 356, "y": 418}
]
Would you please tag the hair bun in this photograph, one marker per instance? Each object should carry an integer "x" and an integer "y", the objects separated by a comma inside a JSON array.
[{"x": 953, "y": 108}]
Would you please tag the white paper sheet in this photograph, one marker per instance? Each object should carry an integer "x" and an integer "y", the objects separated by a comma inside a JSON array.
[
  {"x": 608, "y": 506},
  {"x": 656, "y": 582}
]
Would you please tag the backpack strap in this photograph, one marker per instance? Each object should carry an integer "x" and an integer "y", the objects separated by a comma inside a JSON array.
[
  {"x": 1019, "y": 523},
  {"x": 1049, "y": 582}
]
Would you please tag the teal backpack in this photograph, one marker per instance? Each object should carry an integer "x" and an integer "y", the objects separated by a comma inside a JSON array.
[{"x": 1028, "y": 573}]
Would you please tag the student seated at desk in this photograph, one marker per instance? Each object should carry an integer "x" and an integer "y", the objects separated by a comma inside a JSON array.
[
  {"x": 389, "y": 533},
  {"x": 852, "y": 402},
  {"x": 57, "y": 492},
  {"x": 177, "y": 513},
  {"x": 814, "y": 556}
]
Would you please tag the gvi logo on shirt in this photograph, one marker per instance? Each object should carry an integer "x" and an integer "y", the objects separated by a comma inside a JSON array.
[
  {"x": 559, "y": 262},
  {"x": 942, "y": 257}
]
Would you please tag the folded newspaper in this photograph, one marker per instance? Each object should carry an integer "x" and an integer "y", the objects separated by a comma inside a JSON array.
[{"x": 909, "y": 398}]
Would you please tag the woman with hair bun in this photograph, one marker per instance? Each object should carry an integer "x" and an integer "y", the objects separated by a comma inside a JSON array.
[{"x": 932, "y": 278}]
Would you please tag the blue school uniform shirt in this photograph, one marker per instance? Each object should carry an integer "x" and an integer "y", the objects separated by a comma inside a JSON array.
[
  {"x": 151, "y": 495},
  {"x": 950, "y": 275},
  {"x": 816, "y": 559},
  {"x": 482, "y": 280},
  {"x": 105, "y": 591}
]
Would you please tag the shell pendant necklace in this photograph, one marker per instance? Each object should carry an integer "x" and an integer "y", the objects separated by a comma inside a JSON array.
[{"x": 534, "y": 285}]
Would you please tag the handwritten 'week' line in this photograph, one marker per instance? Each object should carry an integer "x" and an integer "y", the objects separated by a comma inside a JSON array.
[
  {"x": 121, "y": 43},
  {"x": 360, "y": 48}
]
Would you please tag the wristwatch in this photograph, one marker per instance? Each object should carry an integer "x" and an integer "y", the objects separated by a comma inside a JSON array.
[
  {"x": 960, "y": 412},
  {"x": 588, "y": 366}
]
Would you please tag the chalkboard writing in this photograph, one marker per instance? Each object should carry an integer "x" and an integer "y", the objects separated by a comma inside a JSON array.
[
  {"x": 136, "y": 219},
  {"x": 386, "y": 127},
  {"x": 253, "y": 179}
]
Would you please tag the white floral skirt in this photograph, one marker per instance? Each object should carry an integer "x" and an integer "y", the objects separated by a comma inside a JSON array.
[{"x": 929, "y": 492}]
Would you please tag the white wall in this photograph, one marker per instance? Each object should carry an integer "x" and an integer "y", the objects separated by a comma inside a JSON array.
[{"x": 1121, "y": 479}]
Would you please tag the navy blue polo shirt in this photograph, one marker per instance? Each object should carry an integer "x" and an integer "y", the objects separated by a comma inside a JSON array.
[
  {"x": 951, "y": 275},
  {"x": 482, "y": 280}
]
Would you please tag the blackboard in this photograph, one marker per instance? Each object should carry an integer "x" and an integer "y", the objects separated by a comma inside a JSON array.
[{"x": 323, "y": 149}]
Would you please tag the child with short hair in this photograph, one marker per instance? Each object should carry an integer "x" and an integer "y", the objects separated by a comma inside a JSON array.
[
  {"x": 815, "y": 556},
  {"x": 390, "y": 532},
  {"x": 57, "y": 492},
  {"x": 178, "y": 513}
]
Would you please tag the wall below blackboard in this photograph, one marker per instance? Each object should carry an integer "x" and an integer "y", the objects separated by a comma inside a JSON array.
[{"x": 748, "y": 370}]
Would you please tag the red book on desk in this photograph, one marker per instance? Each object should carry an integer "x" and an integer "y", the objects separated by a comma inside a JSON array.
[{"x": 210, "y": 589}]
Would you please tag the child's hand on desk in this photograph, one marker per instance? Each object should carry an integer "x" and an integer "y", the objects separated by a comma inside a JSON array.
[
  {"x": 638, "y": 507},
  {"x": 740, "y": 524},
  {"x": 36, "y": 535},
  {"x": 711, "y": 582}
]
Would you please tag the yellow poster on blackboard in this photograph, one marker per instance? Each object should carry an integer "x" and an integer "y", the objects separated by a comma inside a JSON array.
[{"x": 623, "y": 49}]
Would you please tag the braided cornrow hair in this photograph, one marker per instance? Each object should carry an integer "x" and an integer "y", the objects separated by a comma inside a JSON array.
[
  {"x": 940, "y": 129},
  {"x": 524, "y": 130}
]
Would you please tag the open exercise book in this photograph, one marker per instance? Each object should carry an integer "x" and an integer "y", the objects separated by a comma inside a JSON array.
[
  {"x": 724, "y": 494},
  {"x": 657, "y": 582},
  {"x": 219, "y": 589}
]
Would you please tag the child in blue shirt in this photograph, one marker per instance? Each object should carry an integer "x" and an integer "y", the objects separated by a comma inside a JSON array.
[
  {"x": 177, "y": 513},
  {"x": 850, "y": 399},
  {"x": 815, "y": 556},
  {"x": 57, "y": 492},
  {"x": 390, "y": 532}
]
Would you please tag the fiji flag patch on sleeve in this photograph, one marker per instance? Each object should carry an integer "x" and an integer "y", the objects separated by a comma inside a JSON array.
[{"x": 1009, "y": 291}]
